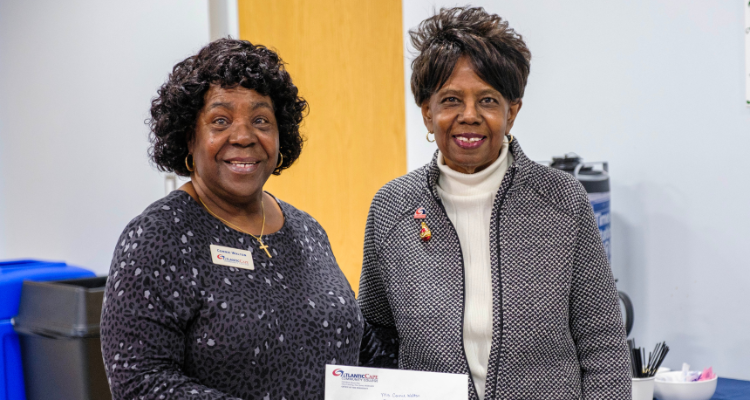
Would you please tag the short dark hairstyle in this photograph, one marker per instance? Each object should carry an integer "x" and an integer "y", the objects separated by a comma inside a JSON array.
[
  {"x": 499, "y": 55},
  {"x": 228, "y": 63}
]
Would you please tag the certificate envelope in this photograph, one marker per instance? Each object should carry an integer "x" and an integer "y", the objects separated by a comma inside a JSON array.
[{"x": 360, "y": 383}]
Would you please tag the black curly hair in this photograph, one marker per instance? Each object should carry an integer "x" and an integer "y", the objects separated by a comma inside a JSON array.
[
  {"x": 228, "y": 63},
  {"x": 499, "y": 54}
]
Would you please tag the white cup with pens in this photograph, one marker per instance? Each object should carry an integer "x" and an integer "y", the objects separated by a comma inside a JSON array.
[{"x": 644, "y": 369}]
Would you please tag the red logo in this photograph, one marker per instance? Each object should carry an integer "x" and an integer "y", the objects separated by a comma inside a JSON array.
[
  {"x": 338, "y": 372},
  {"x": 420, "y": 213}
]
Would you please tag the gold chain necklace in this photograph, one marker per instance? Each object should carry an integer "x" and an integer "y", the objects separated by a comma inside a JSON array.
[{"x": 258, "y": 238}]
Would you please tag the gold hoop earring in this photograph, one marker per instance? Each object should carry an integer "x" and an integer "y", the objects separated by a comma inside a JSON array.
[
  {"x": 511, "y": 139},
  {"x": 428, "y": 137},
  {"x": 280, "y": 161},
  {"x": 187, "y": 165}
]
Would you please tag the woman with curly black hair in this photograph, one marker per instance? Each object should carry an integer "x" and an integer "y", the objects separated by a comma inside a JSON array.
[{"x": 220, "y": 290}]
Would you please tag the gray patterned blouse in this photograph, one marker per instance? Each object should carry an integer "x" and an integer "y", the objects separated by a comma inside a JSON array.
[{"x": 175, "y": 325}]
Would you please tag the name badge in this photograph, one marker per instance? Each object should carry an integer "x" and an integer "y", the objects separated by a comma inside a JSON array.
[
  {"x": 346, "y": 383},
  {"x": 232, "y": 257}
]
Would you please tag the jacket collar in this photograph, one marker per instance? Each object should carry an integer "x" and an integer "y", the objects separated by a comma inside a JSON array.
[{"x": 521, "y": 167}]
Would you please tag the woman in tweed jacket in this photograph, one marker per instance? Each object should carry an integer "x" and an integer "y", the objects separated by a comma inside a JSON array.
[{"x": 483, "y": 262}]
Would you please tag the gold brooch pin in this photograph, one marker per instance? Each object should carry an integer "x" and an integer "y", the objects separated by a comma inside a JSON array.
[{"x": 425, "y": 233}]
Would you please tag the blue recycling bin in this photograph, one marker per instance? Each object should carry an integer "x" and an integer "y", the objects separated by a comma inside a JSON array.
[{"x": 12, "y": 275}]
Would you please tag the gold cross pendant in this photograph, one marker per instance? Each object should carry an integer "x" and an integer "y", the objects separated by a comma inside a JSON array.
[{"x": 264, "y": 247}]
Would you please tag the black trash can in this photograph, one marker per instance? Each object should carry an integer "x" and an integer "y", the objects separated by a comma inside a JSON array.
[{"x": 58, "y": 326}]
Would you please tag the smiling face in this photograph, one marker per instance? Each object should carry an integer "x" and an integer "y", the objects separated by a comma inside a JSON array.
[
  {"x": 236, "y": 144},
  {"x": 469, "y": 118}
]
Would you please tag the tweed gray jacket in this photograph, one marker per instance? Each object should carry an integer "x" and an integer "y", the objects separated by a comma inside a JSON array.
[{"x": 557, "y": 328}]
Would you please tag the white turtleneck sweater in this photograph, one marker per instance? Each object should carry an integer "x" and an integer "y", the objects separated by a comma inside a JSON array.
[{"x": 468, "y": 200}]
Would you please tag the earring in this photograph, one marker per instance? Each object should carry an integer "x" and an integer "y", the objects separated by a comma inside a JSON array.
[
  {"x": 187, "y": 165},
  {"x": 281, "y": 161},
  {"x": 428, "y": 137},
  {"x": 511, "y": 139}
]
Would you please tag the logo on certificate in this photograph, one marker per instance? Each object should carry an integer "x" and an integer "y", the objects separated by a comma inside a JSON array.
[{"x": 355, "y": 377}]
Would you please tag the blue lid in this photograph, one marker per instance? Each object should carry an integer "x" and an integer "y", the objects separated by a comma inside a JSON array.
[{"x": 13, "y": 273}]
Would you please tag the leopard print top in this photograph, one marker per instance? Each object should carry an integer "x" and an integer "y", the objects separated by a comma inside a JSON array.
[{"x": 174, "y": 325}]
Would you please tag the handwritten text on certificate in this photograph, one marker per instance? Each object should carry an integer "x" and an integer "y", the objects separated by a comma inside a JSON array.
[{"x": 349, "y": 383}]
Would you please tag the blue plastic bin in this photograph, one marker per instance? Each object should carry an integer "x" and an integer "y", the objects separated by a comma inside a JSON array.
[{"x": 12, "y": 275}]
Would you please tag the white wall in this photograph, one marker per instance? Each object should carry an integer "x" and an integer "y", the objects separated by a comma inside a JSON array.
[
  {"x": 657, "y": 89},
  {"x": 224, "y": 20},
  {"x": 76, "y": 80}
]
